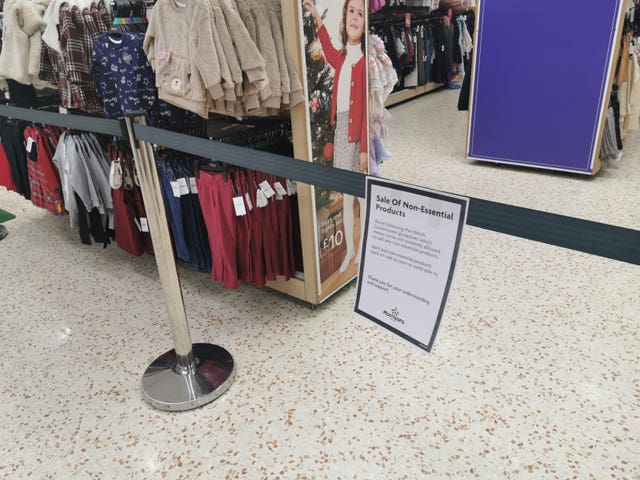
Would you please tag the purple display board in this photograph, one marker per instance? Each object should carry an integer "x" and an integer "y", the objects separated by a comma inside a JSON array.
[{"x": 541, "y": 75}]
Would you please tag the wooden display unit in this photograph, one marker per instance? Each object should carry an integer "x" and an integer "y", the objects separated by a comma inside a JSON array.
[{"x": 306, "y": 288}]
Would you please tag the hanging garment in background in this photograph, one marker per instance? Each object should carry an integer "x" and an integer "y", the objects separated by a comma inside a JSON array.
[
  {"x": 12, "y": 142},
  {"x": 411, "y": 79},
  {"x": 6, "y": 175},
  {"x": 190, "y": 238},
  {"x": 240, "y": 65},
  {"x": 20, "y": 55},
  {"x": 250, "y": 232},
  {"x": 66, "y": 54},
  {"x": 130, "y": 220},
  {"x": 463, "y": 100},
  {"x": 84, "y": 174},
  {"x": 125, "y": 81},
  {"x": 44, "y": 178}
]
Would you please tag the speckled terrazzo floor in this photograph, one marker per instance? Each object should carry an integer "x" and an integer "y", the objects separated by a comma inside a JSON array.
[{"x": 535, "y": 372}]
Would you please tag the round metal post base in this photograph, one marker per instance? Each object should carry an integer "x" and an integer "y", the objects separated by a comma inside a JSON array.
[{"x": 164, "y": 387}]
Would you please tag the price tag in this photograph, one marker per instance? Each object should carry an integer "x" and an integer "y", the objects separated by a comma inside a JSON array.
[
  {"x": 292, "y": 188},
  {"x": 176, "y": 189},
  {"x": 266, "y": 189},
  {"x": 279, "y": 189},
  {"x": 238, "y": 206},
  {"x": 62, "y": 110},
  {"x": 144, "y": 225},
  {"x": 30, "y": 143},
  {"x": 184, "y": 186},
  {"x": 247, "y": 197},
  {"x": 192, "y": 185},
  {"x": 261, "y": 199}
]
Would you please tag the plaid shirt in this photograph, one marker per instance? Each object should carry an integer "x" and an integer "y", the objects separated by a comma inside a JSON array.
[
  {"x": 44, "y": 179},
  {"x": 71, "y": 71}
]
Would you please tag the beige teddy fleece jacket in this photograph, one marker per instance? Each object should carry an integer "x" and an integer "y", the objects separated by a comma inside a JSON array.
[
  {"x": 179, "y": 44},
  {"x": 20, "y": 56}
]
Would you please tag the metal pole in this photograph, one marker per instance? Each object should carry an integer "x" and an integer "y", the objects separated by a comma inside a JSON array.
[{"x": 190, "y": 375}]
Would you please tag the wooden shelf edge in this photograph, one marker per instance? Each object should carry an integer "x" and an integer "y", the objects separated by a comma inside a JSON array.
[{"x": 294, "y": 287}]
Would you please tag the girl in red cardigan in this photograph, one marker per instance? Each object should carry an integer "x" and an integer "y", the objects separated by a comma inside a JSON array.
[{"x": 348, "y": 103}]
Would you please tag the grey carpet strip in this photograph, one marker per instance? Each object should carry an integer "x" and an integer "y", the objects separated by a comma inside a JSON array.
[{"x": 595, "y": 238}]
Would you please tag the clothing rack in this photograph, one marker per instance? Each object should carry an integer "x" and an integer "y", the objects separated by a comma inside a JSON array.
[
  {"x": 128, "y": 16},
  {"x": 398, "y": 10},
  {"x": 397, "y": 16}
]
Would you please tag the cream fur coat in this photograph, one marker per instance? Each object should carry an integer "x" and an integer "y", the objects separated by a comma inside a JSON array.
[{"x": 20, "y": 55}]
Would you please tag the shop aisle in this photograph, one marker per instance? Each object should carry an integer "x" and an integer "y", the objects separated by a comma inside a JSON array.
[
  {"x": 428, "y": 141},
  {"x": 534, "y": 373}
]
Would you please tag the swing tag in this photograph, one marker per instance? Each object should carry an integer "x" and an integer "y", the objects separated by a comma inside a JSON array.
[
  {"x": 30, "y": 143},
  {"x": 192, "y": 185},
  {"x": 247, "y": 197},
  {"x": 261, "y": 199},
  {"x": 176, "y": 189},
  {"x": 144, "y": 225},
  {"x": 266, "y": 189},
  {"x": 292, "y": 188},
  {"x": 184, "y": 186},
  {"x": 279, "y": 190},
  {"x": 238, "y": 206}
]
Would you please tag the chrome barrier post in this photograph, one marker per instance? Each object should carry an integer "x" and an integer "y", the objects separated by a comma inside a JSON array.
[{"x": 189, "y": 375}]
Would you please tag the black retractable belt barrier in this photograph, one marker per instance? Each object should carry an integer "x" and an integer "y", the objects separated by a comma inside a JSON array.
[
  {"x": 595, "y": 238},
  {"x": 78, "y": 122},
  {"x": 344, "y": 181}
]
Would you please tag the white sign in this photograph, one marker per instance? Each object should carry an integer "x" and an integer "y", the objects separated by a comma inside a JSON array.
[{"x": 411, "y": 243}]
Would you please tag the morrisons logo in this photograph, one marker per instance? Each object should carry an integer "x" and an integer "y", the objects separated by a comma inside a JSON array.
[{"x": 393, "y": 315}]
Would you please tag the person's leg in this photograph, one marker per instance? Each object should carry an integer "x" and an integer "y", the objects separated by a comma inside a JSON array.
[{"x": 3, "y": 232}]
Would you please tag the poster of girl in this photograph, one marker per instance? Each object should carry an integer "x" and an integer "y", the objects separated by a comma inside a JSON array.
[{"x": 337, "y": 81}]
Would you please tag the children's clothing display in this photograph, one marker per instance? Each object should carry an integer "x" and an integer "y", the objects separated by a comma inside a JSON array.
[
  {"x": 221, "y": 56},
  {"x": 418, "y": 53},
  {"x": 126, "y": 83},
  {"x": 425, "y": 45}
]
